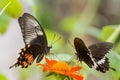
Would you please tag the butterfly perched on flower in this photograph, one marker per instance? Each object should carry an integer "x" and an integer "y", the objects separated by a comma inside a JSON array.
[
  {"x": 94, "y": 55},
  {"x": 36, "y": 45}
]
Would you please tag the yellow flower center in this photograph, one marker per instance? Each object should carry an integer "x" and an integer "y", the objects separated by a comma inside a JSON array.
[{"x": 61, "y": 66}]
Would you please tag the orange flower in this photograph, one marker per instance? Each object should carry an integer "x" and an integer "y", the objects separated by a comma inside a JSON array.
[{"x": 61, "y": 68}]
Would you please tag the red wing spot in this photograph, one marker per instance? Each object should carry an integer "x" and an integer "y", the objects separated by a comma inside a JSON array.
[
  {"x": 29, "y": 58},
  {"x": 25, "y": 64}
]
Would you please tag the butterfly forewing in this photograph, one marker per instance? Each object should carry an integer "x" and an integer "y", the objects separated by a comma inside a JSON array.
[
  {"x": 31, "y": 29},
  {"x": 82, "y": 52},
  {"x": 101, "y": 49}
]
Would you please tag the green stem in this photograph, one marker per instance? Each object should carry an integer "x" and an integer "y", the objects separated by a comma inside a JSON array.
[
  {"x": 114, "y": 35},
  {"x": 69, "y": 78}
]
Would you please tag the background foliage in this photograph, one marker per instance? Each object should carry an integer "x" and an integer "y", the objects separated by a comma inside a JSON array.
[{"x": 94, "y": 21}]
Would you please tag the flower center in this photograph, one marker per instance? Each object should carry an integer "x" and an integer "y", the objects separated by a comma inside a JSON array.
[{"x": 61, "y": 66}]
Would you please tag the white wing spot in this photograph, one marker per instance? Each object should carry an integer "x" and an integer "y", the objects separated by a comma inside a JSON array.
[
  {"x": 40, "y": 33},
  {"x": 101, "y": 61}
]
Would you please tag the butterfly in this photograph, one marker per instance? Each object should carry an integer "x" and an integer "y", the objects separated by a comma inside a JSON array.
[
  {"x": 94, "y": 55},
  {"x": 36, "y": 45}
]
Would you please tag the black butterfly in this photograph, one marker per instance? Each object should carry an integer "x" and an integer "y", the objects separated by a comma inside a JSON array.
[
  {"x": 35, "y": 41},
  {"x": 94, "y": 55}
]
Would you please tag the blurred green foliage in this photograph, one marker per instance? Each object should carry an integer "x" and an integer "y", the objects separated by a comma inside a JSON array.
[
  {"x": 3, "y": 77},
  {"x": 14, "y": 10},
  {"x": 68, "y": 23},
  {"x": 4, "y": 22},
  {"x": 112, "y": 34},
  {"x": 114, "y": 62},
  {"x": 107, "y": 32},
  {"x": 45, "y": 14}
]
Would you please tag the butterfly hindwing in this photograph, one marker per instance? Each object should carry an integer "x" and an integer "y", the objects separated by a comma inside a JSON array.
[
  {"x": 103, "y": 66},
  {"x": 99, "y": 52},
  {"x": 28, "y": 55}
]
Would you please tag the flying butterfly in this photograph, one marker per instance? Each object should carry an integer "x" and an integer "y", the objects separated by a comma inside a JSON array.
[
  {"x": 36, "y": 45},
  {"x": 94, "y": 55}
]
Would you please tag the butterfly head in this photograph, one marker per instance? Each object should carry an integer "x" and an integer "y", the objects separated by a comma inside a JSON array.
[{"x": 47, "y": 49}]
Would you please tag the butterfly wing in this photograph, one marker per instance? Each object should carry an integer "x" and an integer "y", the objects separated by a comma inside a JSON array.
[
  {"x": 101, "y": 49},
  {"x": 35, "y": 41},
  {"x": 82, "y": 52},
  {"x": 99, "y": 52},
  {"x": 103, "y": 65},
  {"x": 28, "y": 55},
  {"x": 32, "y": 31}
]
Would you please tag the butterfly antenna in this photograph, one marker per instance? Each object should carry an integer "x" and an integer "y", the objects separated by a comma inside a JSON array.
[
  {"x": 56, "y": 40},
  {"x": 53, "y": 39}
]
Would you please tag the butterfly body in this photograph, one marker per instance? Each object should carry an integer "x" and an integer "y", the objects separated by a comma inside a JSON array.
[
  {"x": 35, "y": 40},
  {"x": 94, "y": 55}
]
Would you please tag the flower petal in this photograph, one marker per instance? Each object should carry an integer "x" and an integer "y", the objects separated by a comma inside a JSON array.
[
  {"x": 75, "y": 68},
  {"x": 46, "y": 68},
  {"x": 50, "y": 62},
  {"x": 77, "y": 77},
  {"x": 61, "y": 68},
  {"x": 41, "y": 65}
]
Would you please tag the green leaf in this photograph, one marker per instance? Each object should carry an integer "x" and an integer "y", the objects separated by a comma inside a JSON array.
[
  {"x": 60, "y": 76},
  {"x": 49, "y": 74},
  {"x": 14, "y": 9},
  {"x": 49, "y": 77},
  {"x": 115, "y": 35},
  {"x": 107, "y": 32},
  {"x": 4, "y": 8},
  {"x": 2, "y": 77},
  {"x": 4, "y": 21},
  {"x": 117, "y": 48},
  {"x": 114, "y": 61}
]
